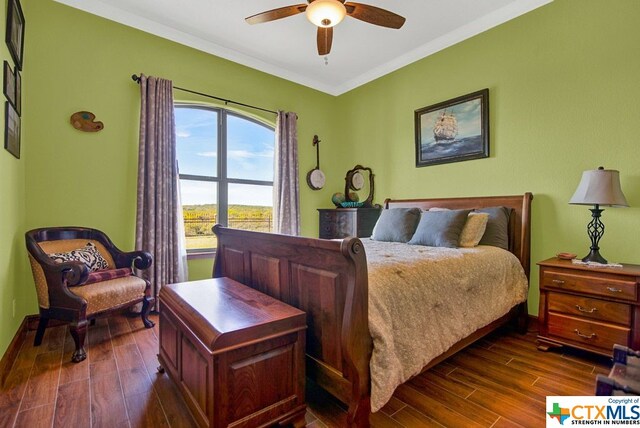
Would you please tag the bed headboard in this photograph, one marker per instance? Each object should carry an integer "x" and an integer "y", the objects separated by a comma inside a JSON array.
[{"x": 519, "y": 223}]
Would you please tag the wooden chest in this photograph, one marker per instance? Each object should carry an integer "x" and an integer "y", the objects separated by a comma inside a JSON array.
[
  {"x": 237, "y": 355},
  {"x": 342, "y": 222},
  {"x": 588, "y": 308}
]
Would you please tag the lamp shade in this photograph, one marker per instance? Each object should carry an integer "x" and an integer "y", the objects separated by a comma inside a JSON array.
[
  {"x": 326, "y": 13},
  {"x": 599, "y": 187}
]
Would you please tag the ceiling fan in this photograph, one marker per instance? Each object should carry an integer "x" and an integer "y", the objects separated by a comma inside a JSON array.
[{"x": 328, "y": 13}]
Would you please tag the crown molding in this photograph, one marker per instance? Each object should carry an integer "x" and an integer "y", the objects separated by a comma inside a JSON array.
[{"x": 500, "y": 16}]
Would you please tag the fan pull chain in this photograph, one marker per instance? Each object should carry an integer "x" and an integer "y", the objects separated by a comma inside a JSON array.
[{"x": 326, "y": 60}]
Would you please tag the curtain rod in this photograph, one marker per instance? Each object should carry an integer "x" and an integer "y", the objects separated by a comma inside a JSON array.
[{"x": 136, "y": 79}]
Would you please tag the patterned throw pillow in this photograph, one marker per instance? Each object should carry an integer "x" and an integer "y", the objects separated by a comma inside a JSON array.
[{"x": 89, "y": 255}]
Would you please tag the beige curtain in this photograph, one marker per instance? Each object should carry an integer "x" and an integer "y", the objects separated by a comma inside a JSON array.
[
  {"x": 159, "y": 226},
  {"x": 286, "y": 187}
]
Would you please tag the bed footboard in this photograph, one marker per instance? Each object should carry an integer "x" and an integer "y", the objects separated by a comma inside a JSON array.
[{"x": 326, "y": 279}]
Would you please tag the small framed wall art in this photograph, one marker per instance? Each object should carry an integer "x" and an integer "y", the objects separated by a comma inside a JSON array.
[
  {"x": 9, "y": 84},
  {"x": 454, "y": 130},
  {"x": 18, "y": 93},
  {"x": 11, "y": 130},
  {"x": 15, "y": 32}
]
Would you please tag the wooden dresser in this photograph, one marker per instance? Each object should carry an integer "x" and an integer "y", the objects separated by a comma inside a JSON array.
[
  {"x": 237, "y": 355},
  {"x": 588, "y": 308},
  {"x": 342, "y": 222}
]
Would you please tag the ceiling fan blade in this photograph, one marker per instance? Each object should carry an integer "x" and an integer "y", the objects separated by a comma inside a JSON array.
[
  {"x": 374, "y": 15},
  {"x": 272, "y": 15},
  {"x": 325, "y": 38}
]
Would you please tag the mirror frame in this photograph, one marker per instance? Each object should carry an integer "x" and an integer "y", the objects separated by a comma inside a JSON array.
[{"x": 368, "y": 203}]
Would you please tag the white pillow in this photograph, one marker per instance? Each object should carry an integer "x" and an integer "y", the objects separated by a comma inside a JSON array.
[{"x": 473, "y": 229}]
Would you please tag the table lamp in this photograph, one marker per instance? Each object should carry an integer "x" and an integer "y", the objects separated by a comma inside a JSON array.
[{"x": 598, "y": 187}]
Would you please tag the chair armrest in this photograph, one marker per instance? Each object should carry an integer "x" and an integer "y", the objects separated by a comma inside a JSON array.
[
  {"x": 59, "y": 277},
  {"x": 140, "y": 259}
]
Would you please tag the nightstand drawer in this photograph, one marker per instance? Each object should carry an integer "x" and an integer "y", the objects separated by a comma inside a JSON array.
[
  {"x": 587, "y": 332},
  {"x": 591, "y": 308},
  {"x": 588, "y": 284}
]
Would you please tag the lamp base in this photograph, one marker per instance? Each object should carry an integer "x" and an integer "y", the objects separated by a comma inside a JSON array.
[{"x": 594, "y": 256}]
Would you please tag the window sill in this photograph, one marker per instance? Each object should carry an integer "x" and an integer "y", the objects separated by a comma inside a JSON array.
[{"x": 204, "y": 254}]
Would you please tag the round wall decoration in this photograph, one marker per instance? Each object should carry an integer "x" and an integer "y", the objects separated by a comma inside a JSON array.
[{"x": 316, "y": 179}]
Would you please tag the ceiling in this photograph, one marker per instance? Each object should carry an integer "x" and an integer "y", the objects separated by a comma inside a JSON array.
[{"x": 286, "y": 48}]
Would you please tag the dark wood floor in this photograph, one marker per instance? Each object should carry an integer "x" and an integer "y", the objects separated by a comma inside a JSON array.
[{"x": 499, "y": 382}]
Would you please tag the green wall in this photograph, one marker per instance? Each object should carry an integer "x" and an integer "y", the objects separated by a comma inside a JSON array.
[
  {"x": 12, "y": 213},
  {"x": 76, "y": 61},
  {"x": 82, "y": 62},
  {"x": 564, "y": 93},
  {"x": 563, "y": 98}
]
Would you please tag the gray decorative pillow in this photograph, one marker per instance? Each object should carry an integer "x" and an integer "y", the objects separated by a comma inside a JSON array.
[
  {"x": 89, "y": 255},
  {"x": 396, "y": 224},
  {"x": 440, "y": 228},
  {"x": 497, "y": 231}
]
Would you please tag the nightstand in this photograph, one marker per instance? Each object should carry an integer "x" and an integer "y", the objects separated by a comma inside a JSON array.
[
  {"x": 343, "y": 222},
  {"x": 588, "y": 308}
]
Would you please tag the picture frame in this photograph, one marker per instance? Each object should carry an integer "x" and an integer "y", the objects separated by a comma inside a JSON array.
[
  {"x": 454, "y": 130},
  {"x": 15, "y": 32},
  {"x": 11, "y": 130},
  {"x": 9, "y": 84},
  {"x": 18, "y": 93}
]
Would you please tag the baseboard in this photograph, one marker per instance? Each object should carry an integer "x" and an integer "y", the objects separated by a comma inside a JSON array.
[{"x": 12, "y": 351}]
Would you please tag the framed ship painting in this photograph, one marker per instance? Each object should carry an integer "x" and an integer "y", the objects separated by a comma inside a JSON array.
[{"x": 454, "y": 130}]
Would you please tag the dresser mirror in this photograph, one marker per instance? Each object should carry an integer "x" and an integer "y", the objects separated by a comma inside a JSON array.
[{"x": 359, "y": 182}]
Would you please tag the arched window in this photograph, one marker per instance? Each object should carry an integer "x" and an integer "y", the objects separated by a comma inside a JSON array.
[{"x": 225, "y": 162}]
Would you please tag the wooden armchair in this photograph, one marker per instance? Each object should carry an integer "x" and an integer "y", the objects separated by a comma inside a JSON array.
[{"x": 68, "y": 291}]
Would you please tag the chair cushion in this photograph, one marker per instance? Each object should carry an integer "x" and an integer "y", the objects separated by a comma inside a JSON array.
[
  {"x": 104, "y": 295},
  {"x": 106, "y": 275},
  {"x": 89, "y": 255}
]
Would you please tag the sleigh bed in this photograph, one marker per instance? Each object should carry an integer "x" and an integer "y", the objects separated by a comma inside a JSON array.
[{"x": 328, "y": 279}]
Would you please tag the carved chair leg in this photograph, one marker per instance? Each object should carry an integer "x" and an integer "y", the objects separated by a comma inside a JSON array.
[
  {"x": 78, "y": 332},
  {"x": 144, "y": 313},
  {"x": 42, "y": 326}
]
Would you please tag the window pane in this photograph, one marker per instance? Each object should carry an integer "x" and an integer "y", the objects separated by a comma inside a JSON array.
[
  {"x": 250, "y": 207},
  {"x": 197, "y": 141},
  {"x": 200, "y": 212},
  {"x": 249, "y": 149}
]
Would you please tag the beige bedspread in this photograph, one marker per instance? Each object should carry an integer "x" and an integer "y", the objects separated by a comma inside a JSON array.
[{"x": 422, "y": 300}]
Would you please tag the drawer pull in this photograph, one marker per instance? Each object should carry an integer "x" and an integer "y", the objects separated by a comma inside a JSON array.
[
  {"x": 558, "y": 281},
  {"x": 614, "y": 289},
  {"x": 589, "y": 311},
  {"x": 584, "y": 336}
]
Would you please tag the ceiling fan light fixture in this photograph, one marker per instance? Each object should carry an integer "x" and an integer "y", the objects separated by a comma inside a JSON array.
[{"x": 326, "y": 13}]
